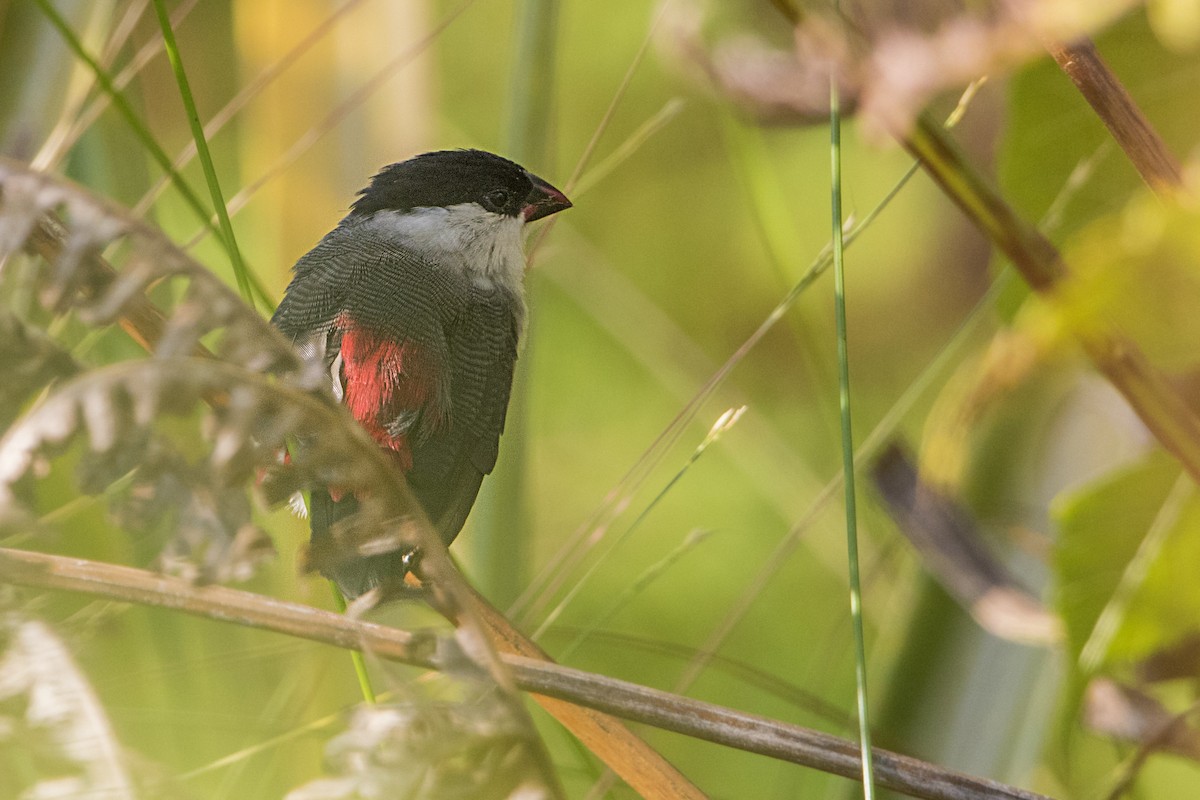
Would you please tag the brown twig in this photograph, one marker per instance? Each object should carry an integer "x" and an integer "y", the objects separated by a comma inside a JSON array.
[
  {"x": 565, "y": 685},
  {"x": 142, "y": 320},
  {"x": 1119, "y": 113}
]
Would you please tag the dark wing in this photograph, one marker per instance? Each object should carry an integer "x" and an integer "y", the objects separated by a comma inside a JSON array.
[
  {"x": 320, "y": 281},
  {"x": 422, "y": 358},
  {"x": 448, "y": 468}
]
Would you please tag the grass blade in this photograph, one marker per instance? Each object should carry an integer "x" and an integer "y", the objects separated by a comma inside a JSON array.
[
  {"x": 122, "y": 105},
  {"x": 839, "y": 277},
  {"x": 240, "y": 272}
]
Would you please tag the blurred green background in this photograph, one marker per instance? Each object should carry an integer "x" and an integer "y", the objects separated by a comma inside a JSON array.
[{"x": 669, "y": 261}]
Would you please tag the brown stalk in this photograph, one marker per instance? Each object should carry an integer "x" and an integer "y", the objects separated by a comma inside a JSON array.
[
  {"x": 616, "y": 745},
  {"x": 1119, "y": 113},
  {"x": 547, "y": 681},
  {"x": 1148, "y": 392},
  {"x": 142, "y": 320},
  {"x": 1116, "y": 356}
]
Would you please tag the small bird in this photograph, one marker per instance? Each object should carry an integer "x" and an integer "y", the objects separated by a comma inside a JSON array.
[{"x": 415, "y": 303}]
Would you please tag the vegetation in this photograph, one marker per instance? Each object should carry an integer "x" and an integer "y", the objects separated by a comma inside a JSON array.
[{"x": 1022, "y": 279}]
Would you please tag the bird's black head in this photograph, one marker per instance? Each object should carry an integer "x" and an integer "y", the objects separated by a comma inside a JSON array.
[{"x": 451, "y": 177}]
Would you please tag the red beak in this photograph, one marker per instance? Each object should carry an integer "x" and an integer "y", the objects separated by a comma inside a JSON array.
[{"x": 543, "y": 200}]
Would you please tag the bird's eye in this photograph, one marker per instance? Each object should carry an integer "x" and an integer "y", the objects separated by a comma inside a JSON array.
[{"x": 495, "y": 199}]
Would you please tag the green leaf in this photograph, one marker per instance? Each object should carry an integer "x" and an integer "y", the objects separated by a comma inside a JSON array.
[
  {"x": 1126, "y": 561},
  {"x": 1166, "y": 605}
]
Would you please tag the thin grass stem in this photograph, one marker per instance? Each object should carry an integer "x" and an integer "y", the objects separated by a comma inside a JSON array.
[
  {"x": 240, "y": 272},
  {"x": 126, "y": 110},
  {"x": 636, "y": 587},
  {"x": 839, "y": 278},
  {"x": 591, "y": 532},
  {"x": 356, "y": 656},
  {"x": 727, "y": 420}
]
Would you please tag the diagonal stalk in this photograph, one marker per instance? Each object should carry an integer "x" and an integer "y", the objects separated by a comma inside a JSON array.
[
  {"x": 127, "y": 112},
  {"x": 1124, "y": 120},
  {"x": 1147, "y": 391}
]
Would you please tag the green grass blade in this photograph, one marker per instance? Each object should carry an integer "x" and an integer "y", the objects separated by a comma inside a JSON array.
[
  {"x": 339, "y": 602},
  {"x": 240, "y": 272},
  {"x": 126, "y": 110},
  {"x": 839, "y": 273},
  {"x": 356, "y": 656}
]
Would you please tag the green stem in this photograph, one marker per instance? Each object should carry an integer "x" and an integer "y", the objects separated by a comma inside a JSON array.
[
  {"x": 839, "y": 273},
  {"x": 339, "y": 602},
  {"x": 210, "y": 173},
  {"x": 502, "y": 517},
  {"x": 123, "y": 107},
  {"x": 356, "y": 656},
  {"x": 722, "y": 425},
  {"x": 532, "y": 84}
]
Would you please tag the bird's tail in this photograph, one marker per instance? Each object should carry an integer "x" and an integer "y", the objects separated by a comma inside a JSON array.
[{"x": 353, "y": 575}]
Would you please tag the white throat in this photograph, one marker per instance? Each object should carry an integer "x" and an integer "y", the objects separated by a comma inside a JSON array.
[{"x": 485, "y": 246}]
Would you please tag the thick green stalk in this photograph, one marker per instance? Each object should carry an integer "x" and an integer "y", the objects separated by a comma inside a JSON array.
[
  {"x": 501, "y": 518},
  {"x": 532, "y": 82}
]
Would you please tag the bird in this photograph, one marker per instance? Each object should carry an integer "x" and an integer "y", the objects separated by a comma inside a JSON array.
[{"x": 415, "y": 306}]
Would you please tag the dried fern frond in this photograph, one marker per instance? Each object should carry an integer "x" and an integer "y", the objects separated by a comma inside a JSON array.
[
  {"x": 33, "y": 361},
  {"x": 72, "y": 231}
]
